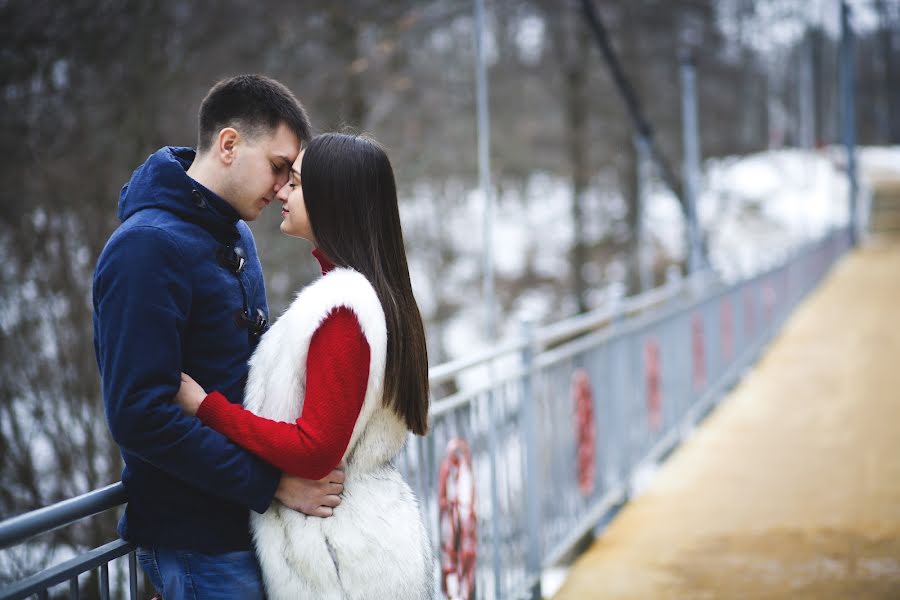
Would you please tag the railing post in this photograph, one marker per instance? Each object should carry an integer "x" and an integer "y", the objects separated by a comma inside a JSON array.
[
  {"x": 533, "y": 528},
  {"x": 493, "y": 451},
  {"x": 132, "y": 574},
  {"x": 620, "y": 449},
  {"x": 104, "y": 581}
]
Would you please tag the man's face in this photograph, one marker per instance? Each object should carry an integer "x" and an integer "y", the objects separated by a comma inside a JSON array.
[{"x": 260, "y": 168}]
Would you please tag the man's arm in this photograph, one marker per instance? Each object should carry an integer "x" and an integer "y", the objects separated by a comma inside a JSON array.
[
  {"x": 143, "y": 297},
  {"x": 337, "y": 375}
]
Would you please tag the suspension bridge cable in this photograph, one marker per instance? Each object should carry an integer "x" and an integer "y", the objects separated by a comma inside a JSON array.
[{"x": 632, "y": 103}]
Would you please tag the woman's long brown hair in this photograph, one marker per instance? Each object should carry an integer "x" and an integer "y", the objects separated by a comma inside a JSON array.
[{"x": 351, "y": 198}]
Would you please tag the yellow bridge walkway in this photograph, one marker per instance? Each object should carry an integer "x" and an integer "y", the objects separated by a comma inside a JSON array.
[{"x": 791, "y": 488}]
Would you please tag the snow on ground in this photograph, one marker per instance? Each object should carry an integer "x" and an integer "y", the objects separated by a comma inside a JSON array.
[
  {"x": 880, "y": 161},
  {"x": 757, "y": 208},
  {"x": 753, "y": 209}
]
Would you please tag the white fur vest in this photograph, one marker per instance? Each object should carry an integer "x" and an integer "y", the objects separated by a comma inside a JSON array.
[{"x": 375, "y": 545}]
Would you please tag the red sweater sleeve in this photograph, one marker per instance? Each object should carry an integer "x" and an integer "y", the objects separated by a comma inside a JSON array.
[{"x": 337, "y": 374}]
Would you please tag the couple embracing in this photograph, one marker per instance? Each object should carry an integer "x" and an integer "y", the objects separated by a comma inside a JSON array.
[{"x": 258, "y": 458}]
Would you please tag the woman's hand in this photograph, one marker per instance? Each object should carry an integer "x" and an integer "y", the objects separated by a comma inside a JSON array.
[{"x": 190, "y": 395}]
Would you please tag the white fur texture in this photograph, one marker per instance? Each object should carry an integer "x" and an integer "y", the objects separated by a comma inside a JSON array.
[{"x": 375, "y": 545}]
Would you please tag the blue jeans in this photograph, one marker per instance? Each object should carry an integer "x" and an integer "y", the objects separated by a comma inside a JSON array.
[{"x": 188, "y": 575}]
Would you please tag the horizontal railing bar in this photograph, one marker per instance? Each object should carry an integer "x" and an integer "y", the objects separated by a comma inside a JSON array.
[
  {"x": 42, "y": 520},
  {"x": 467, "y": 395},
  {"x": 449, "y": 404},
  {"x": 574, "y": 326},
  {"x": 548, "y": 358},
  {"x": 448, "y": 370},
  {"x": 578, "y": 324},
  {"x": 66, "y": 570},
  {"x": 561, "y": 330},
  {"x": 587, "y": 322}
]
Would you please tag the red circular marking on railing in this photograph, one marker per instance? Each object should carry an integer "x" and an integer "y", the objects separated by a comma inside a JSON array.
[
  {"x": 458, "y": 522},
  {"x": 652, "y": 377},
  {"x": 727, "y": 329},
  {"x": 698, "y": 352},
  {"x": 585, "y": 430}
]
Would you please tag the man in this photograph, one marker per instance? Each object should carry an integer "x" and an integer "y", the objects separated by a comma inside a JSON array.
[{"x": 179, "y": 287}]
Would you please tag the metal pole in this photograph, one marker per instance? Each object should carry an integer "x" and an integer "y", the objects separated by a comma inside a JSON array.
[
  {"x": 490, "y": 323},
  {"x": 643, "y": 180},
  {"x": 132, "y": 575},
  {"x": 484, "y": 171},
  {"x": 691, "y": 140},
  {"x": 848, "y": 114},
  {"x": 806, "y": 95},
  {"x": 533, "y": 485}
]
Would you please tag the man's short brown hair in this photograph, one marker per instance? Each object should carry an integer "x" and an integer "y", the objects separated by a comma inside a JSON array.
[{"x": 252, "y": 104}]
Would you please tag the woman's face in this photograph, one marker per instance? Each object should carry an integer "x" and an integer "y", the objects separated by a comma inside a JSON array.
[{"x": 295, "y": 220}]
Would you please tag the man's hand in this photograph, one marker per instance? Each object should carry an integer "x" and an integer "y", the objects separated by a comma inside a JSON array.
[
  {"x": 313, "y": 498},
  {"x": 190, "y": 395}
]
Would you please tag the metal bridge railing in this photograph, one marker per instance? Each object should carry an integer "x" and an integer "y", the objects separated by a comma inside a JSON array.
[
  {"x": 549, "y": 431},
  {"x": 25, "y": 527},
  {"x": 549, "y": 438}
]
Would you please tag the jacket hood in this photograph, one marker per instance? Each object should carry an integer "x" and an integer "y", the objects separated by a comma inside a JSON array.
[{"x": 162, "y": 182}]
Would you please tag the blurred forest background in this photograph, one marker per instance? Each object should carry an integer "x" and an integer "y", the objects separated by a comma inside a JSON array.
[{"x": 88, "y": 89}]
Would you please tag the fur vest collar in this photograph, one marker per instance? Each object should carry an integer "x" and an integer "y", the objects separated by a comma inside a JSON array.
[{"x": 277, "y": 380}]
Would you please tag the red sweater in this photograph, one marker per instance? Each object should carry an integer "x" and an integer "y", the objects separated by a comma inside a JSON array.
[{"x": 337, "y": 374}]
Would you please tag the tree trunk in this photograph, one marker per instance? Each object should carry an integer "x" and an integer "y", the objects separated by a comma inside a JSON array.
[
  {"x": 631, "y": 190},
  {"x": 577, "y": 145},
  {"x": 346, "y": 34},
  {"x": 891, "y": 98}
]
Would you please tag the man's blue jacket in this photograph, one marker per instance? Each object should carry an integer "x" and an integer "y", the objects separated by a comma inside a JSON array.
[{"x": 177, "y": 288}]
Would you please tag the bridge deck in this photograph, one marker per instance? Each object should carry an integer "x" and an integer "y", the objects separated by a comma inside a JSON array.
[{"x": 791, "y": 488}]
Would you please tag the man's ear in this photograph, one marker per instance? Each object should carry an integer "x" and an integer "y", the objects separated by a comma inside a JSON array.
[{"x": 226, "y": 142}]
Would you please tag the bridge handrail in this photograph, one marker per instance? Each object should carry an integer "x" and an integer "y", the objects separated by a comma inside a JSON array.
[
  {"x": 570, "y": 327},
  {"x": 49, "y": 518},
  {"x": 66, "y": 571}
]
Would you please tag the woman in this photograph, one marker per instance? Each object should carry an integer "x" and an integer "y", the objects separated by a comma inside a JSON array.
[{"x": 349, "y": 354}]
